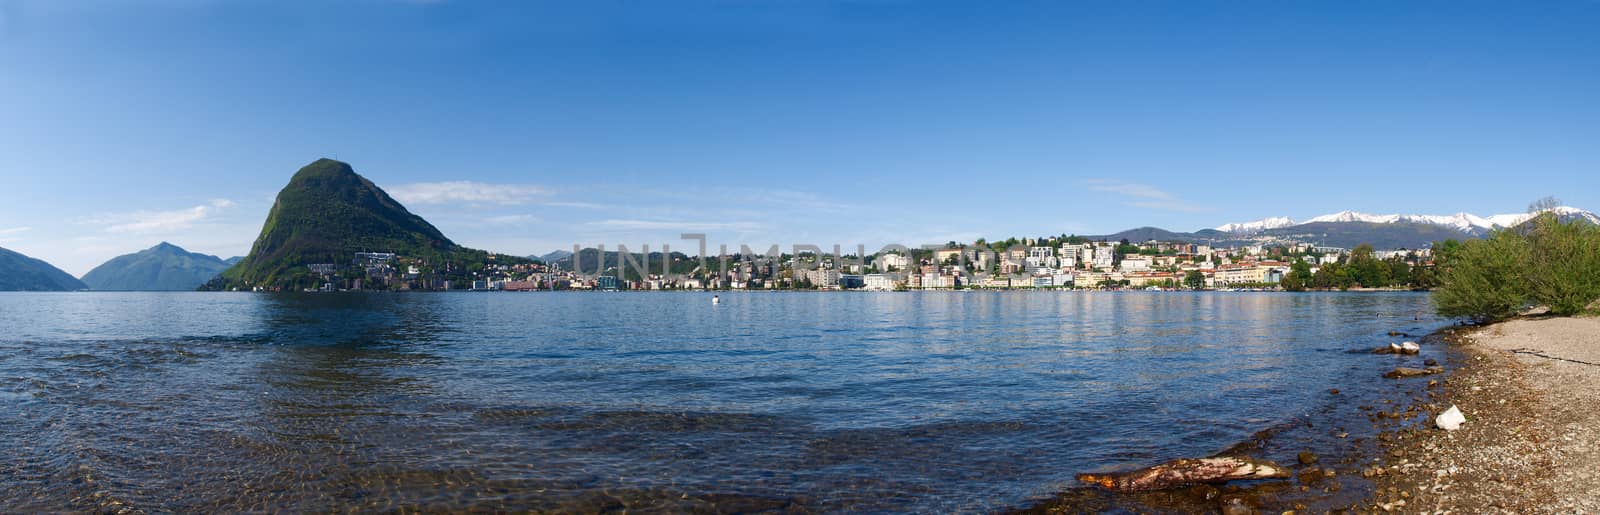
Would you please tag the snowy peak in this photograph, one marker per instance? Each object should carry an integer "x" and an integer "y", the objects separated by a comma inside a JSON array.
[
  {"x": 1258, "y": 225},
  {"x": 1352, "y": 216},
  {"x": 1464, "y": 222}
]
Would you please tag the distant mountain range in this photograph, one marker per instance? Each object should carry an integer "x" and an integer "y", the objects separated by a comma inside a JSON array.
[
  {"x": 23, "y": 273},
  {"x": 553, "y": 256},
  {"x": 1350, "y": 228},
  {"x": 1463, "y": 222},
  {"x": 164, "y": 267}
]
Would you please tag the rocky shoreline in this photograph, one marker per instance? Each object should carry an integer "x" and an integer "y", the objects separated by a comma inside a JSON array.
[
  {"x": 1530, "y": 391},
  {"x": 1531, "y": 442}
]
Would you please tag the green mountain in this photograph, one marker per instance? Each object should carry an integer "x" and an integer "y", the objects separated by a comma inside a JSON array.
[
  {"x": 164, "y": 267},
  {"x": 328, "y": 213},
  {"x": 23, "y": 273}
]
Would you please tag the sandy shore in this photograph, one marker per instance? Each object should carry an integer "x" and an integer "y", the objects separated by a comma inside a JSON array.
[{"x": 1530, "y": 389}]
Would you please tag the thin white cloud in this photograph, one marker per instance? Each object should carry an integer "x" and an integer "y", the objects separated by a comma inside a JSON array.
[
  {"x": 156, "y": 222},
  {"x": 512, "y": 219},
  {"x": 580, "y": 205},
  {"x": 656, "y": 225},
  {"x": 8, "y": 235},
  {"x": 1144, "y": 196},
  {"x": 1171, "y": 205},
  {"x": 1128, "y": 188},
  {"x": 465, "y": 192}
]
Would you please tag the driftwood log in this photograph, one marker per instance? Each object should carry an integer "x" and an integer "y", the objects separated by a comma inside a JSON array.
[{"x": 1186, "y": 472}]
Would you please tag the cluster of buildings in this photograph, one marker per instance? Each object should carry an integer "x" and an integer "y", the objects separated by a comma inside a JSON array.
[
  {"x": 1030, "y": 264},
  {"x": 392, "y": 271}
]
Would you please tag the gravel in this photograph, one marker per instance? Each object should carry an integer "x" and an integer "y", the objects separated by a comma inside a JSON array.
[{"x": 1530, "y": 389}]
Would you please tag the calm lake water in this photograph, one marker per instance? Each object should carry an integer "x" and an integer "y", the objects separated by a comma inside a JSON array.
[{"x": 927, "y": 402}]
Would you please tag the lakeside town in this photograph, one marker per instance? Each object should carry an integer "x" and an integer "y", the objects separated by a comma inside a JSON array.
[{"x": 1066, "y": 262}]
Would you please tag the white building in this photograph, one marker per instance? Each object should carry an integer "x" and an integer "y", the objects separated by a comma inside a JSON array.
[
  {"x": 881, "y": 282},
  {"x": 1135, "y": 264},
  {"x": 823, "y": 278},
  {"x": 1104, "y": 255},
  {"x": 1041, "y": 257},
  {"x": 891, "y": 262}
]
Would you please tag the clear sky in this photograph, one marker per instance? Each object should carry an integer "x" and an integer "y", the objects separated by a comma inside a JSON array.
[{"x": 524, "y": 127}]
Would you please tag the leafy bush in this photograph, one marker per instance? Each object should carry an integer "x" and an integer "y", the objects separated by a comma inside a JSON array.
[
  {"x": 1483, "y": 279},
  {"x": 1563, "y": 265}
]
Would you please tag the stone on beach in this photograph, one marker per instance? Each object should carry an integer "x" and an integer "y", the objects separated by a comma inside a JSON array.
[
  {"x": 1400, "y": 372},
  {"x": 1451, "y": 419},
  {"x": 1407, "y": 348}
]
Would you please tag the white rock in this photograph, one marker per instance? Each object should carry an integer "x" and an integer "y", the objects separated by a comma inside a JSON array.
[
  {"x": 1450, "y": 420},
  {"x": 1410, "y": 347}
]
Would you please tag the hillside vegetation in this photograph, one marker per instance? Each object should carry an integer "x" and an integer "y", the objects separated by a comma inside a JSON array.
[
  {"x": 1550, "y": 262},
  {"x": 325, "y": 215}
]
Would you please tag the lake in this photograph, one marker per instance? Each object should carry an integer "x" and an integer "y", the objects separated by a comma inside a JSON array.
[{"x": 924, "y": 402}]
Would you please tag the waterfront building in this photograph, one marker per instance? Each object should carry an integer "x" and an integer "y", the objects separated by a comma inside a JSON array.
[{"x": 881, "y": 282}]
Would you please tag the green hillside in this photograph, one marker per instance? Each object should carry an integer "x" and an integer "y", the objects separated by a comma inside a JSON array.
[{"x": 325, "y": 215}]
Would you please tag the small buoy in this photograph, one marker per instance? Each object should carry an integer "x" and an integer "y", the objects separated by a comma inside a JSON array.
[{"x": 715, "y": 300}]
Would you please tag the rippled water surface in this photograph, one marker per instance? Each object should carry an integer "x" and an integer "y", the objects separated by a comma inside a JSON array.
[{"x": 592, "y": 401}]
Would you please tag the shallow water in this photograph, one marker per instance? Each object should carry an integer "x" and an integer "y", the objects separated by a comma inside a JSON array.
[{"x": 958, "y": 401}]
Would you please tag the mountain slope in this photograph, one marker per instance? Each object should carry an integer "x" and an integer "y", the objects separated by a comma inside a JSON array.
[
  {"x": 164, "y": 267},
  {"x": 325, "y": 214},
  {"x": 1144, "y": 234},
  {"x": 553, "y": 256},
  {"x": 23, "y": 273},
  {"x": 1393, "y": 235}
]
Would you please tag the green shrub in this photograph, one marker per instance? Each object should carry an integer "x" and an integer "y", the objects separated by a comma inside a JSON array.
[
  {"x": 1483, "y": 280},
  {"x": 1563, "y": 269}
]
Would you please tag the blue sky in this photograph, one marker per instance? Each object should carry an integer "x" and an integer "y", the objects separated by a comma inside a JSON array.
[{"x": 527, "y": 127}]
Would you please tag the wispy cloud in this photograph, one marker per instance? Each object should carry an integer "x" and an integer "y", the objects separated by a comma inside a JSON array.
[
  {"x": 1144, "y": 195},
  {"x": 579, "y": 205},
  {"x": 9, "y": 235},
  {"x": 512, "y": 220},
  {"x": 155, "y": 222},
  {"x": 465, "y": 192},
  {"x": 656, "y": 225}
]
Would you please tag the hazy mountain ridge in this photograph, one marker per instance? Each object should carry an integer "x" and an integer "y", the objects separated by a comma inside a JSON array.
[
  {"x": 164, "y": 267},
  {"x": 23, "y": 273}
]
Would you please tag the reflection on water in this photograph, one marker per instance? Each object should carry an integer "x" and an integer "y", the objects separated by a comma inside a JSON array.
[{"x": 588, "y": 402}]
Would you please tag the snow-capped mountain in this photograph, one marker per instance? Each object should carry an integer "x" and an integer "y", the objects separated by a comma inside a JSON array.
[
  {"x": 1258, "y": 225},
  {"x": 1464, "y": 222}
]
